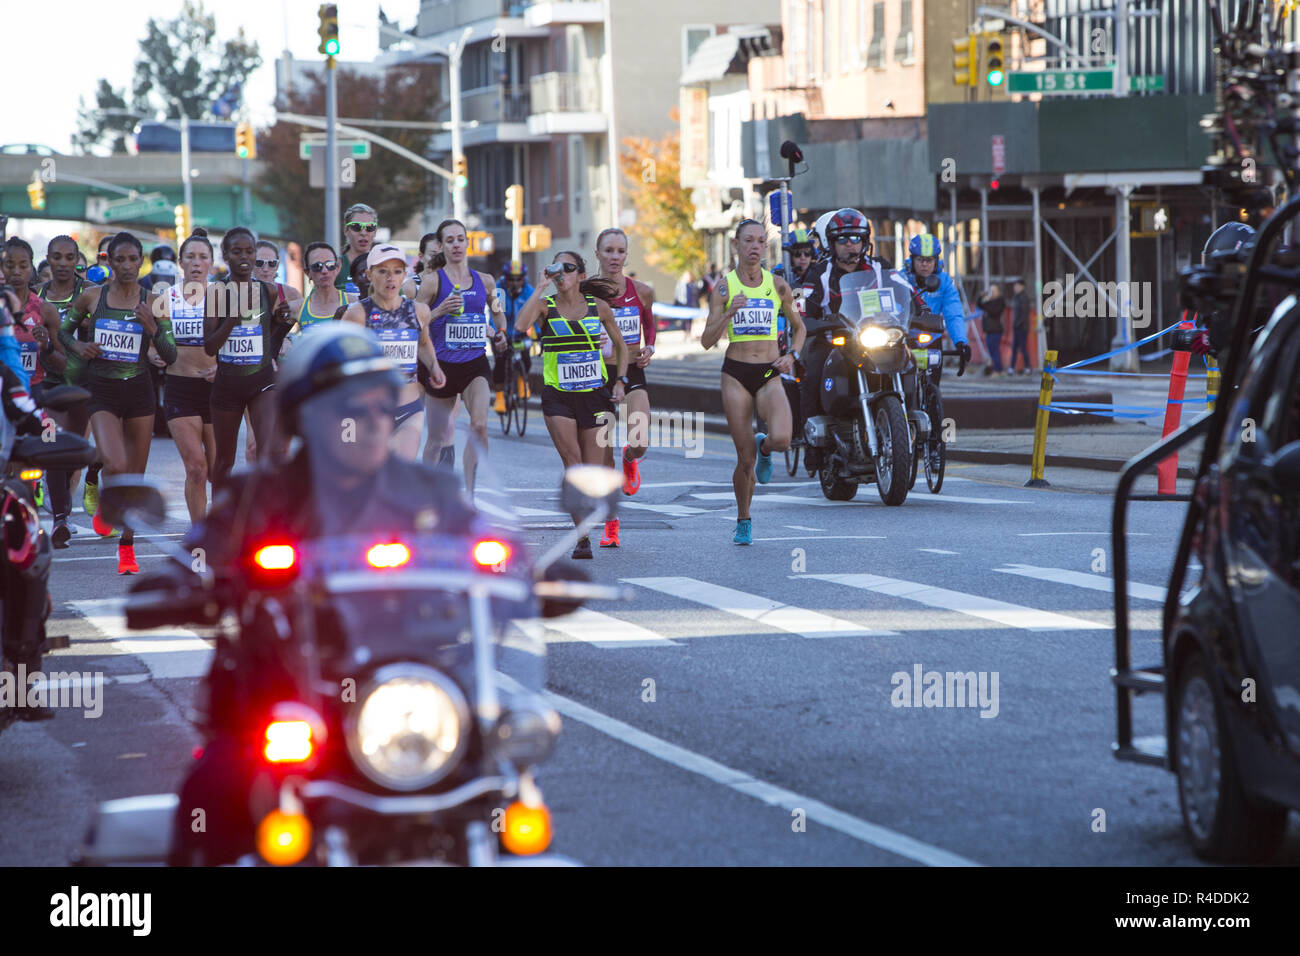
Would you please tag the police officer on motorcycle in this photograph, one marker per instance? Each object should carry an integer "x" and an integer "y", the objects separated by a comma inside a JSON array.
[
  {"x": 848, "y": 238},
  {"x": 339, "y": 393}
]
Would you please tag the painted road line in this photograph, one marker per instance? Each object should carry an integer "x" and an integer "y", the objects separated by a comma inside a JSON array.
[
  {"x": 822, "y": 502},
  {"x": 1078, "y": 579},
  {"x": 672, "y": 510},
  {"x": 1001, "y": 612},
  {"x": 1062, "y": 534},
  {"x": 828, "y": 537},
  {"x": 799, "y": 527},
  {"x": 861, "y": 830},
  {"x": 177, "y": 652},
  {"x": 774, "y": 614},
  {"x": 107, "y": 557},
  {"x": 937, "y": 551},
  {"x": 599, "y": 630}
]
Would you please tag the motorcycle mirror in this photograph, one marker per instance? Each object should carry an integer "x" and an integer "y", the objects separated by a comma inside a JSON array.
[
  {"x": 586, "y": 487},
  {"x": 131, "y": 500},
  {"x": 62, "y": 397},
  {"x": 1285, "y": 466},
  {"x": 558, "y": 607},
  {"x": 932, "y": 282}
]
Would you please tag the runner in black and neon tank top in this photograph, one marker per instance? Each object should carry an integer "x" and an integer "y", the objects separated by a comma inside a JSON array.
[
  {"x": 401, "y": 325},
  {"x": 245, "y": 324},
  {"x": 465, "y": 316},
  {"x": 574, "y": 401},
  {"x": 73, "y": 366},
  {"x": 745, "y": 309},
  {"x": 125, "y": 322}
]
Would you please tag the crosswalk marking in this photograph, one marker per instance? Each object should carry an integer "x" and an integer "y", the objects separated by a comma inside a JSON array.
[
  {"x": 1078, "y": 579},
  {"x": 938, "y": 551},
  {"x": 177, "y": 652},
  {"x": 783, "y": 617},
  {"x": 670, "y": 509},
  {"x": 1001, "y": 612},
  {"x": 600, "y": 630},
  {"x": 784, "y": 499}
]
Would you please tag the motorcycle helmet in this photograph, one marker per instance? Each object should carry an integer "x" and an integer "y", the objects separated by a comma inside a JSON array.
[
  {"x": 925, "y": 245},
  {"x": 333, "y": 354},
  {"x": 515, "y": 269},
  {"x": 819, "y": 230},
  {"x": 1229, "y": 237},
  {"x": 848, "y": 222}
]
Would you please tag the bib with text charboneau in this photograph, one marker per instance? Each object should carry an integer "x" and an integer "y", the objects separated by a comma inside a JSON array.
[
  {"x": 578, "y": 371},
  {"x": 119, "y": 340},
  {"x": 758, "y": 317},
  {"x": 401, "y": 346},
  {"x": 243, "y": 346},
  {"x": 466, "y": 331}
]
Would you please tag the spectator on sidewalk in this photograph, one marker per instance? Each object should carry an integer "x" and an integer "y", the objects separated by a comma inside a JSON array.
[
  {"x": 686, "y": 291},
  {"x": 1019, "y": 325},
  {"x": 993, "y": 305}
]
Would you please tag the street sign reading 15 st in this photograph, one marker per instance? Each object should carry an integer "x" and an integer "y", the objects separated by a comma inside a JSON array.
[{"x": 1061, "y": 81}]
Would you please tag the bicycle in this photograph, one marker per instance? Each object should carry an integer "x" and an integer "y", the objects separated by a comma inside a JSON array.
[
  {"x": 517, "y": 390},
  {"x": 931, "y": 454}
]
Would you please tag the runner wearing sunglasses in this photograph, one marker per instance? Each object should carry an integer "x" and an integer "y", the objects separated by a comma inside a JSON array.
[
  {"x": 266, "y": 267},
  {"x": 359, "y": 225},
  {"x": 575, "y": 405},
  {"x": 325, "y": 300}
]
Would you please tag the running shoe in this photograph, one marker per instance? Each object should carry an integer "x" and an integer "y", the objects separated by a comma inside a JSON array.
[
  {"x": 582, "y": 549},
  {"x": 631, "y": 474},
  {"x": 763, "y": 467},
  {"x": 611, "y": 534},
  {"x": 90, "y": 498},
  {"x": 39, "y": 494},
  {"x": 500, "y": 405},
  {"x": 102, "y": 527},
  {"x": 126, "y": 563},
  {"x": 61, "y": 534},
  {"x": 744, "y": 531}
]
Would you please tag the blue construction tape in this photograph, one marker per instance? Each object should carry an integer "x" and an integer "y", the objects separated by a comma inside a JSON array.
[
  {"x": 1082, "y": 371},
  {"x": 1123, "y": 349},
  {"x": 1104, "y": 414},
  {"x": 1127, "y": 408}
]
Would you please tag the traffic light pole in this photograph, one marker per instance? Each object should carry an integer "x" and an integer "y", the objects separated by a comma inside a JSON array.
[
  {"x": 185, "y": 168},
  {"x": 454, "y": 52},
  {"x": 333, "y": 229}
]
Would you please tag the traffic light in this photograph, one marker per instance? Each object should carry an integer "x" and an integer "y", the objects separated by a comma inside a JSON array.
[
  {"x": 481, "y": 244},
  {"x": 36, "y": 193},
  {"x": 965, "y": 61},
  {"x": 245, "y": 141},
  {"x": 460, "y": 169},
  {"x": 515, "y": 203},
  {"x": 183, "y": 223},
  {"x": 534, "y": 239},
  {"x": 993, "y": 70},
  {"x": 329, "y": 29}
]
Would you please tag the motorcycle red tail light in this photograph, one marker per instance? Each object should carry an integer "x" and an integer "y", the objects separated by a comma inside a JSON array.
[
  {"x": 392, "y": 555},
  {"x": 275, "y": 557},
  {"x": 490, "y": 553},
  {"x": 293, "y": 734}
]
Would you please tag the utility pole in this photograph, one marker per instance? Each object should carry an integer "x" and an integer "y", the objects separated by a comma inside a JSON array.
[
  {"x": 332, "y": 227},
  {"x": 185, "y": 164},
  {"x": 454, "y": 52}
]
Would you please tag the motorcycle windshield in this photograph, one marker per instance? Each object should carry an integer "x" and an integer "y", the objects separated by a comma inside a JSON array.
[
  {"x": 401, "y": 564},
  {"x": 884, "y": 300}
]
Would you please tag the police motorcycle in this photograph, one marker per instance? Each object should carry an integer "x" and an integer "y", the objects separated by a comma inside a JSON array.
[
  {"x": 406, "y": 720},
  {"x": 28, "y": 448},
  {"x": 865, "y": 426},
  {"x": 1227, "y": 670}
]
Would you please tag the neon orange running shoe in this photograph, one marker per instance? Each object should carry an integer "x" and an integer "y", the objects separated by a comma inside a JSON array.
[
  {"x": 126, "y": 563},
  {"x": 102, "y": 527},
  {"x": 611, "y": 535},
  {"x": 631, "y": 474}
]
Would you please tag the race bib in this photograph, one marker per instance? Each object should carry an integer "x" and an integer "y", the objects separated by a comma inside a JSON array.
[
  {"x": 758, "y": 317},
  {"x": 400, "y": 345},
  {"x": 29, "y": 352},
  {"x": 187, "y": 323},
  {"x": 243, "y": 346},
  {"x": 936, "y": 358},
  {"x": 578, "y": 371},
  {"x": 466, "y": 332},
  {"x": 876, "y": 302},
  {"x": 629, "y": 323},
  {"x": 119, "y": 340}
]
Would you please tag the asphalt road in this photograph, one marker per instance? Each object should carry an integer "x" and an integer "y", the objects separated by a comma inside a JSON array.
[{"x": 743, "y": 707}]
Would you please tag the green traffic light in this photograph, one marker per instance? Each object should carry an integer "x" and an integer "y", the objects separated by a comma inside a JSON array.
[
  {"x": 995, "y": 77},
  {"x": 332, "y": 46}
]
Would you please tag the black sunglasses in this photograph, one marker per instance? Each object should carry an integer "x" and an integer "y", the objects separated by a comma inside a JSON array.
[
  {"x": 324, "y": 266},
  {"x": 566, "y": 266},
  {"x": 267, "y": 263},
  {"x": 80, "y": 268},
  {"x": 855, "y": 237},
  {"x": 363, "y": 226}
]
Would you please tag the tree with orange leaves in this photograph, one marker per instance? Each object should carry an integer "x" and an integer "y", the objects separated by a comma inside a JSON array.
[{"x": 665, "y": 214}]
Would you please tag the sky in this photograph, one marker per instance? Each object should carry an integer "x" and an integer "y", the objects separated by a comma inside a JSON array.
[{"x": 68, "y": 45}]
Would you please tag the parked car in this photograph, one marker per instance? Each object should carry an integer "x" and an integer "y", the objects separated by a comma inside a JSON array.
[
  {"x": 156, "y": 137},
  {"x": 1230, "y": 668},
  {"x": 27, "y": 149}
]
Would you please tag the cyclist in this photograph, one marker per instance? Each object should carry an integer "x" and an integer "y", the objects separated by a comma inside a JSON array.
[{"x": 515, "y": 293}]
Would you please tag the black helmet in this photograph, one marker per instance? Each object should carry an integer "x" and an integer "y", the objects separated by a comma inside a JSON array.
[
  {"x": 1229, "y": 237},
  {"x": 847, "y": 221},
  {"x": 329, "y": 356}
]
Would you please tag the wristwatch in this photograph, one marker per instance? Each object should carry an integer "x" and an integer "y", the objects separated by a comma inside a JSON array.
[{"x": 624, "y": 380}]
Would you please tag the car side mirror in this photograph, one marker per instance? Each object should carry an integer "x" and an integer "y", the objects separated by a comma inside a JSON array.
[{"x": 1285, "y": 467}]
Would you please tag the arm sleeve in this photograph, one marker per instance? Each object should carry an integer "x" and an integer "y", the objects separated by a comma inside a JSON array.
[
  {"x": 164, "y": 341},
  {"x": 950, "y": 307}
]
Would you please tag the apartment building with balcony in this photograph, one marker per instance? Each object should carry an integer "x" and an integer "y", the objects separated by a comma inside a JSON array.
[{"x": 549, "y": 90}]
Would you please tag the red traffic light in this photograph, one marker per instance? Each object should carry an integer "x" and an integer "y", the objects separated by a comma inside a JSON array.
[{"x": 993, "y": 185}]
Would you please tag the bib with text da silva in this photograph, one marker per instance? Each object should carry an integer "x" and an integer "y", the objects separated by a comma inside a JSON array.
[
  {"x": 119, "y": 340},
  {"x": 756, "y": 319},
  {"x": 244, "y": 344},
  {"x": 579, "y": 371}
]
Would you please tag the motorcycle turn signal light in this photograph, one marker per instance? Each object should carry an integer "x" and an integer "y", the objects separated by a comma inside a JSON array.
[
  {"x": 489, "y": 553},
  {"x": 31, "y": 474},
  {"x": 283, "y": 839},
  {"x": 527, "y": 829},
  {"x": 838, "y": 340}
]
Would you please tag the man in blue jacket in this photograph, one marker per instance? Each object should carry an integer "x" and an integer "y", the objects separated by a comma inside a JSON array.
[
  {"x": 515, "y": 291},
  {"x": 926, "y": 258}
]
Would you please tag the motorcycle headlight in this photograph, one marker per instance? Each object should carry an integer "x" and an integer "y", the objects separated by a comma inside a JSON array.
[
  {"x": 874, "y": 337},
  {"x": 410, "y": 727},
  {"x": 526, "y": 733}
]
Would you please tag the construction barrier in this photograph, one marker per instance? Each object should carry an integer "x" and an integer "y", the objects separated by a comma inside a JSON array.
[{"x": 1036, "y": 479}]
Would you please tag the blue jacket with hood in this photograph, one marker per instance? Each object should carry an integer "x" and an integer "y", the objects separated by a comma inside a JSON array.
[{"x": 946, "y": 301}]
